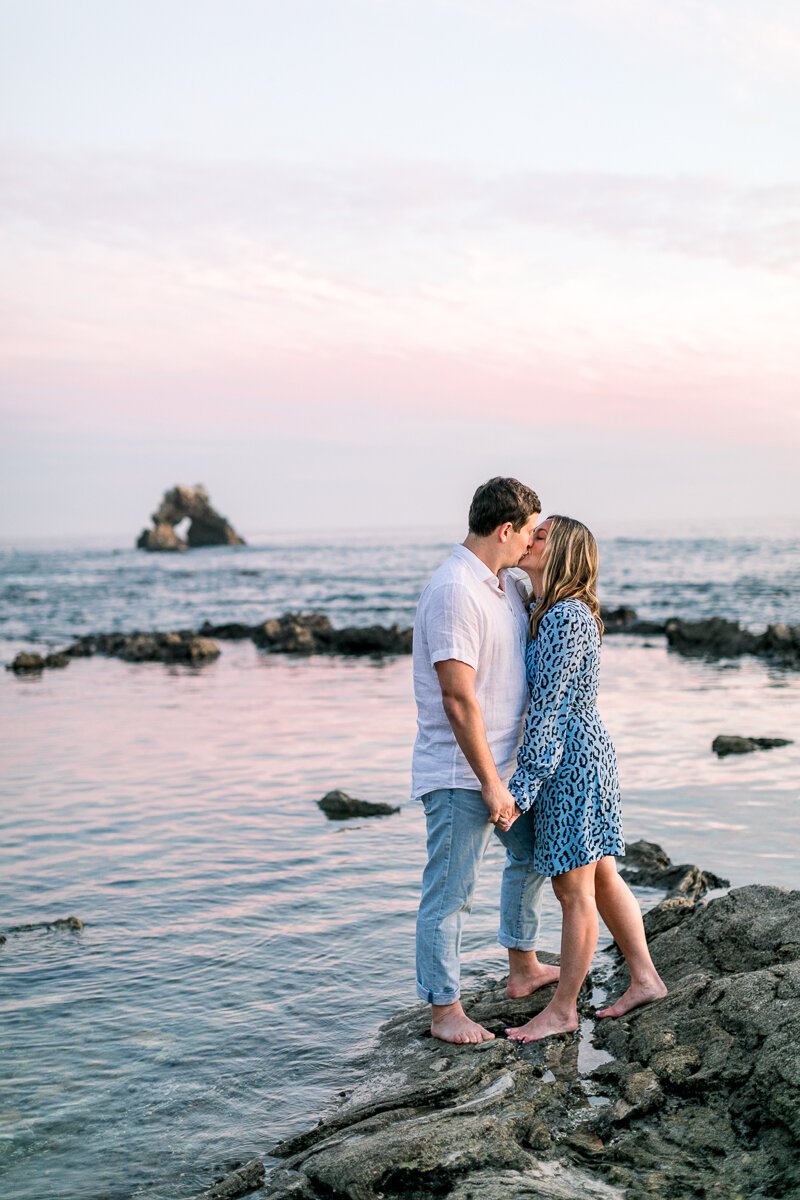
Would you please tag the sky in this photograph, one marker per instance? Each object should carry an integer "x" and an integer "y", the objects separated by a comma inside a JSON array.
[{"x": 342, "y": 261}]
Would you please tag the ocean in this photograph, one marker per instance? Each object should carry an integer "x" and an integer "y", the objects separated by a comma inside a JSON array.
[{"x": 239, "y": 949}]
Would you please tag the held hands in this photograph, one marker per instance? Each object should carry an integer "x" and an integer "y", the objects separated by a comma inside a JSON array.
[{"x": 502, "y": 807}]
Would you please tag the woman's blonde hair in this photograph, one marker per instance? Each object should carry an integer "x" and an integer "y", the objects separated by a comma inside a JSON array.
[{"x": 570, "y": 570}]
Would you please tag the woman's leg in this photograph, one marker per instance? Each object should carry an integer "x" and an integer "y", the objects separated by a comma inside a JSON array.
[
  {"x": 575, "y": 892},
  {"x": 621, "y": 913}
]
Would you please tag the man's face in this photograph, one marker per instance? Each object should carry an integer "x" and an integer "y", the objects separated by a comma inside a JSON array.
[
  {"x": 519, "y": 541},
  {"x": 534, "y": 559}
]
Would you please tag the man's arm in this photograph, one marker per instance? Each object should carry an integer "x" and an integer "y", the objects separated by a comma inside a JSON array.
[{"x": 457, "y": 681}]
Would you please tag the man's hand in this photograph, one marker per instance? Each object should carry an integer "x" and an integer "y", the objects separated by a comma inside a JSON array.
[{"x": 502, "y": 806}]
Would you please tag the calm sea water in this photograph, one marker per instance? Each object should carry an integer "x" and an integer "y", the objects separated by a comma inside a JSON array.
[{"x": 239, "y": 948}]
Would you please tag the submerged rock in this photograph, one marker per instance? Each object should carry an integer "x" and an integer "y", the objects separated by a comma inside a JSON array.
[
  {"x": 206, "y": 526},
  {"x": 725, "y": 744},
  {"x": 700, "y": 1099},
  {"x": 239, "y": 1182},
  {"x": 338, "y": 806},
  {"x": 75, "y": 924}
]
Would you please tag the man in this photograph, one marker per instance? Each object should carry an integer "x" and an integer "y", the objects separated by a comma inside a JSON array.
[{"x": 469, "y": 682}]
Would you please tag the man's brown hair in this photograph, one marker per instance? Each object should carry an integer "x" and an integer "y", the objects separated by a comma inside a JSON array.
[{"x": 500, "y": 500}]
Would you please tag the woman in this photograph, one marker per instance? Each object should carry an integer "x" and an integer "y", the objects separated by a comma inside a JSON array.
[{"x": 567, "y": 773}]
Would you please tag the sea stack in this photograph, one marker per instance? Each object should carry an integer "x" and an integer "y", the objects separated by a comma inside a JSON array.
[{"x": 206, "y": 526}]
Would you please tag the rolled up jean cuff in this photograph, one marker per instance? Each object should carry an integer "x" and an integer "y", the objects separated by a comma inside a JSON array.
[
  {"x": 439, "y": 998},
  {"x": 516, "y": 943}
]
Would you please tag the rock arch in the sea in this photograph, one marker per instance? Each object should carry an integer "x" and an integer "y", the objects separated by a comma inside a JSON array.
[{"x": 206, "y": 526}]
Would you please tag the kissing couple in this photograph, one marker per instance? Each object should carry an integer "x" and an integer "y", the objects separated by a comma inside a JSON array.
[{"x": 493, "y": 660}]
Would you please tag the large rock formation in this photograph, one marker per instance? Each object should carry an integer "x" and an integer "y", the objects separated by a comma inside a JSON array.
[
  {"x": 699, "y": 1095},
  {"x": 206, "y": 526}
]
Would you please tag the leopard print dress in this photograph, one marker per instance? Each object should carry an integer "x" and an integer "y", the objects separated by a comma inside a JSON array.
[{"x": 566, "y": 766}]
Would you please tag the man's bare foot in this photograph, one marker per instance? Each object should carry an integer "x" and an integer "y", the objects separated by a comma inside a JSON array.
[
  {"x": 526, "y": 974},
  {"x": 636, "y": 995},
  {"x": 547, "y": 1023},
  {"x": 450, "y": 1023}
]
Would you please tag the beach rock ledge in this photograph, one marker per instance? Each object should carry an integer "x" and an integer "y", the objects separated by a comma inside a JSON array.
[{"x": 698, "y": 1096}]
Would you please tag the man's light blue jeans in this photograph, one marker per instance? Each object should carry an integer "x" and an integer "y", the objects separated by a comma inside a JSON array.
[{"x": 458, "y": 835}]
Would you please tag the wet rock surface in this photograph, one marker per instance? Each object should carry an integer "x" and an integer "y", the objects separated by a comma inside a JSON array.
[
  {"x": 725, "y": 744},
  {"x": 647, "y": 865},
  {"x": 206, "y": 526},
  {"x": 338, "y": 806},
  {"x": 699, "y": 1097}
]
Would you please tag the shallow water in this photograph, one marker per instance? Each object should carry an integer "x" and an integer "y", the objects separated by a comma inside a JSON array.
[{"x": 239, "y": 947}]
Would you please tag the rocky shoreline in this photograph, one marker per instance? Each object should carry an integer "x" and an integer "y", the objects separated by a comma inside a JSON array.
[
  {"x": 313, "y": 633},
  {"x": 696, "y": 1096}
]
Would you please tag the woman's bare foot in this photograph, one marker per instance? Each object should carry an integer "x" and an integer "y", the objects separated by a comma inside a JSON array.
[
  {"x": 526, "y": 974},
  {"x": 547, "y": 1023},
  {"x": 449, "y": 1023},
  {"x": 636, "y": 995}
]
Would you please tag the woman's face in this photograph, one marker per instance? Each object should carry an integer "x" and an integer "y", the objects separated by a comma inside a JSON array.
[{"x": 535, "y": 558}]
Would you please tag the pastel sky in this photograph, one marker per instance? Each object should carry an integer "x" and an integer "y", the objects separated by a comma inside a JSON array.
[{"x": 343, "y": 260}]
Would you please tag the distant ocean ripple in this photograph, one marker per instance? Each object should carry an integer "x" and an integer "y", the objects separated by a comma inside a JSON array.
[{"x": 55, "y": 592}]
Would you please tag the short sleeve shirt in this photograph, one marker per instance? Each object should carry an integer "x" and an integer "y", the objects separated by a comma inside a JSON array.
[{"x": 469, "y": 614}]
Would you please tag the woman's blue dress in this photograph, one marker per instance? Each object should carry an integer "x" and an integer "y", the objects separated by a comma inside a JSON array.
[{"x": 566, "y": 766}]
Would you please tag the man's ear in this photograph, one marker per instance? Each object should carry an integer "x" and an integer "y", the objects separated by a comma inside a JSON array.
[{"x": 504, "y": 531}]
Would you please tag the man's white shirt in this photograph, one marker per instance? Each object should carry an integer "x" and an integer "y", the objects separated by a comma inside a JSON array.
[{"x": 469, "y": 614}]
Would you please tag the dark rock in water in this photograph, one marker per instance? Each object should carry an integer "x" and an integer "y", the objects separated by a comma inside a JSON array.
[
  {"x": 338, "y": 806},
  {"x": 617, "y": 618},
  {"x": 373, "y": 639},
  {"x": 72, "y": 923},
  {"x": 624, "y": 620},
  {"x": 206, "y": 527},
  {"x": 718, "y": 638},
  {"x": 33, "y": 664},
  {"x": 233, "y": 631},
  {"x": 725, "y": 744},
  {"x": 83, "y": 648},
  {"x": 782, "y": 643},
  {"x": 312, "y": 633},
  {"x": 295, "y": 633},
  {"x": 700, "y": 1099},
  {"x": 27, "y": 664},
  {"x": 240, "y": 1182},
  {"x": 647, "y": 865},
  {"x": 57, "y": 660},
  {"x": 715, "y": 636},
  {"x": 181, "y": 647}
]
